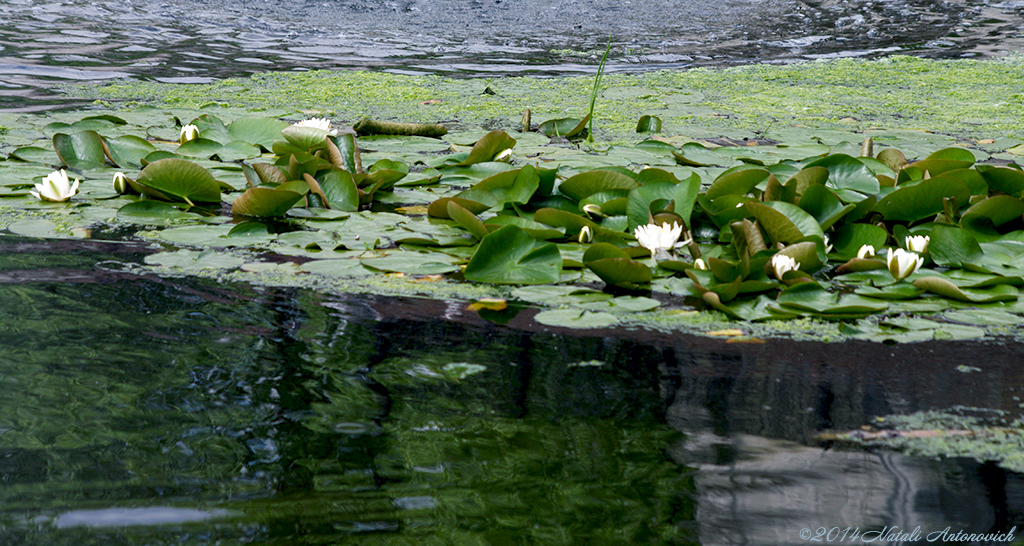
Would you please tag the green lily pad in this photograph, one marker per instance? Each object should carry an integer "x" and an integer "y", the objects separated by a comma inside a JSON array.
[
  {"x": 179, "y": 179},
  {"x": 784, "y": 222},
  {"x": 847, "y": 173},
  {"x": 339, "y": 189},
  {"x": 148, "y": 211},
  {"x": 191, "y": 260},
  {"x": 848, "y": 239},
  {"x": 413, "y": 263},
  {"x": 615, "y": 267},
  {"x": 1004, "y": 179},
  {"x": 945, "y": 288},
  {"x": 983, "y": 317},
  {"x": 921, "y": 200},
  {"x": 564, "y": 127},
  {"x": 739, "y": 182},
  {"x": 303, "y": 137},
  {"x": 265, "y": 202},
  {"x": 82, "y": 150},
  {"x": 128, "y": 150},
  {"x": 510, "y": 256},
  {"x": 588, "y": 183},
  {"x": 488, "y": 147},
  {"x": 576, "y": 318},
  {"x": 258, "y": 131},
  {"x": 648, "y": 124},
  {"x": 952, "y": 246}
]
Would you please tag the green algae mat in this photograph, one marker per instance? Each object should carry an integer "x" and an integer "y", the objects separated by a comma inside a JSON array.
[{"x": 797, "y": 200}]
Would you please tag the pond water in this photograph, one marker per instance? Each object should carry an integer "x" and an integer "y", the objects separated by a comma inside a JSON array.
[
  {"x": 145, "y": 410},
  {"x": 47, "y": 43}
]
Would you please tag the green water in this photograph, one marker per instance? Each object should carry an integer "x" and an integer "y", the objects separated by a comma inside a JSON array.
[{"x": 139, "y": 410}]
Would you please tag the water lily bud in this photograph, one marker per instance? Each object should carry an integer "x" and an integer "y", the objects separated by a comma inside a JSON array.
[
  {"x": 917, "y": 243},
  {"x": 120, "y": 183},
  {"x": 781, "y": 264},
  {"x": 658, "y": 238},
  {"x": 586, "y": 235},
  {"x": 188, "y": 133},
  {"x": 56, "y": 187},
  {"x": 505, "y": 156},
  {"x": 865, "y": 251},
  {"x": 593, "y": 210},
  {"x": 903, "y": 264},
  {"x": 699, "y": 264},
  {"x": 828, "y": 245}
]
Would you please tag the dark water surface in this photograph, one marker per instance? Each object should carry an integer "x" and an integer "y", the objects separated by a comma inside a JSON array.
[
  {"x": 139, "y": 410},
  {"x": 47, "y": 43}
]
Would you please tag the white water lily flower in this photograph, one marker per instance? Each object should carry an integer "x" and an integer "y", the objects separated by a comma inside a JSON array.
[
  {"x": 188, "y": 133},
  {"x": 865, "y": 251},
  {"x": 917, "y": 243},
  {"x": 903, "y": 264},
  {"x": 658, "y": 238},
  {"x": 120, "y": 183},
  {"x": 319, "y": 123},
  {"x": 699, "y": 264},
  {"x": 828, "y": 245},
  {"x": 586, "y": 235},
  {"x": 56, "y": 187},
  {"x": 504, "y": 156},
  {"x": 781, "y": 264}
]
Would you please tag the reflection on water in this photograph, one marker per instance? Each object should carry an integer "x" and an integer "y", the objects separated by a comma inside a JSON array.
[
  {"x": 138, "y": 410},
  {"x": 45, "y": 43}
]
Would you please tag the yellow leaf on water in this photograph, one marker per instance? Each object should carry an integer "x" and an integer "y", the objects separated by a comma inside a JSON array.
[
  {"x": 727, "y": 332},
  {"x": 493, "y": 304}
]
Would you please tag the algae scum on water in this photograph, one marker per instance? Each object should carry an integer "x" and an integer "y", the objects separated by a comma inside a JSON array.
[{"x": 788, "y": 186}]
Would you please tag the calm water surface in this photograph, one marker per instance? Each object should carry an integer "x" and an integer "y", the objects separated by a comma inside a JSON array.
[
  {"x": 45, "y": 43},
  {"x": 139, "y": 410}
]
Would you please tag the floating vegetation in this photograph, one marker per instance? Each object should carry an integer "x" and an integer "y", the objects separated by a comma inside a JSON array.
[
  {"x": 890, "y": 245},
  {"x": 957, "y": 433}
]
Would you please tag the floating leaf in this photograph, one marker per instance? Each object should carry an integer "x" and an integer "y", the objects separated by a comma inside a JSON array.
[
  {"x": 128, "y": 150},
  {"x": 265, "y": 202},
  {"x": 1004, "y": 179},
  {"x": 467, "y": 220},
  {"x": 576, "y": 318},
  {"x": 923, "y": 199},
  {"x": 847, "y": 173},
  {"x": 739, "y": 182},
  {"x": 180, "y": 179},
  {"x": 997, "y": 209},
  {"x": 648, "y": 124},
  {"x": 259, "y": 131},
  {"x": 564, "y": 127},
  {"x": 823, "y": 205},
  {"x": 510, "y": 256},
  {"x": 339, "y": 189},
  {"x": 488, "y": 147},
  {"x": 413, "y": 263},
  {"x": 953, "y": 246},
  {"x": 304, "y": 137},
  {"x": 149, "y": 211},
  {"x": 615, "y": 267},
  {"x": 945, "y": 288},
  {"x": 784, "y": 222},
  {"x": 81, "y": 150},
  {"x": 588, "y": 183}
]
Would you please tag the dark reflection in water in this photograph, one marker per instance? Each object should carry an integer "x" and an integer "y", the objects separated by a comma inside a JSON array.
[
  {"x": 46, "y": 43},
  {"x": 137, "y": 410}
]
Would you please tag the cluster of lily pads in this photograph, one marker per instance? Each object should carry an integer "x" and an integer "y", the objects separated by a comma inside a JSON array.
[{"x": 797, "y": 237}]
